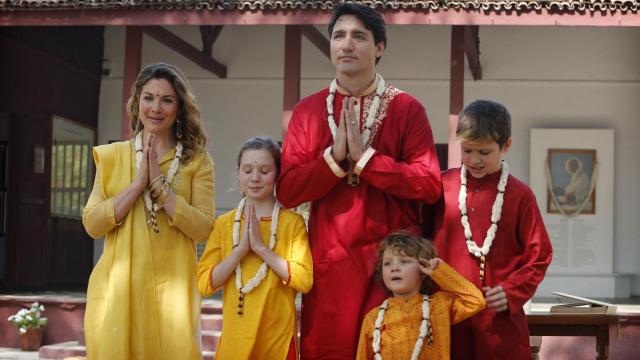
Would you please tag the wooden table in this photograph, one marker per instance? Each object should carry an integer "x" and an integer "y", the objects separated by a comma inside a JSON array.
[{"x": 548, "y": 324}]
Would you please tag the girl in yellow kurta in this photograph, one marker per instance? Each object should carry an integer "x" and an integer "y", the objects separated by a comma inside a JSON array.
[
  {"x": 407, "y": 265},
  {"x": 152, "y": 200},
  {"x": 259, "y": 255}
]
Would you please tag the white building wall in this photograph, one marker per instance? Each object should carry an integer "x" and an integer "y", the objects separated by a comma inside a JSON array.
[{"x": 549, "y": 77}]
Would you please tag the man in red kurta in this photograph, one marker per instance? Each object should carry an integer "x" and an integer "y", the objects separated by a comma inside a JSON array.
[
  {"x": 366, "y": 171},
  {"x": 520, "y": 252}
]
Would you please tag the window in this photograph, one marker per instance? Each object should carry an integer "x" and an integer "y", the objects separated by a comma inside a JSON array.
[{"x": 70, "y": 174}]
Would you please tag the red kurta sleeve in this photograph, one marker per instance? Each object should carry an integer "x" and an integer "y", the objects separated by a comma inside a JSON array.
[
  {"x": 417, "y": 176},
  {"x": 305, "y": 175},
  {"x": 522, "y": 283}
]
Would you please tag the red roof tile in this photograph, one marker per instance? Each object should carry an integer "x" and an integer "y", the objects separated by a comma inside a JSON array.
[{"x": 488, "y": 5}]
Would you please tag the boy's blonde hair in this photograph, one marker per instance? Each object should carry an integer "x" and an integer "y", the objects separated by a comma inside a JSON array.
[
  {"x": 484, "y": 120},
  {"x": 409, "y": 245}
]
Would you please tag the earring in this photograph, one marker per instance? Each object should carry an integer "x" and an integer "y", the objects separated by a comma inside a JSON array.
[
  {"x": 179, "y": 129},
  {"x": 138, "y": 126}
]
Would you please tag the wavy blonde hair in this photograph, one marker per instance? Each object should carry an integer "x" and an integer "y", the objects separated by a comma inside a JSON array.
[
  {"x": 194, "y": 137},
  {"x": 404, "y": 242}
]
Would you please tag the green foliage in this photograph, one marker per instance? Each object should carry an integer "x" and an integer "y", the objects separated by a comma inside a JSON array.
[{"x": 29, "y": 318}]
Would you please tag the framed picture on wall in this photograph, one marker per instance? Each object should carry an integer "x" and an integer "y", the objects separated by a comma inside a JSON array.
[{"x": 571, "y": 176}]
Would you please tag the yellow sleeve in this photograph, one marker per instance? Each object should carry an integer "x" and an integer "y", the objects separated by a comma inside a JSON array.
[
  {"x": 468, "y": 299},
  {"x": 98, "y": 216},
  {"x": 211, "y": 257},
  {"x": 365, "y": 349},
  {"x": 299, "y": 261},
  {"x": 195, "y": 219}
]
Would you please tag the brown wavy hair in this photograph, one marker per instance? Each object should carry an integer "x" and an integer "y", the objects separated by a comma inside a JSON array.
[
  {"x": 194, "y": 137},
  {"x": 410, "y": 245}
]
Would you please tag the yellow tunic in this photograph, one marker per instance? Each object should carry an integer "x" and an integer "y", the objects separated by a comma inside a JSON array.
[
  {"x": 269, "y": 322},
  {"x": 459, "y": 299},
  {"x": 142, "y": 299}
]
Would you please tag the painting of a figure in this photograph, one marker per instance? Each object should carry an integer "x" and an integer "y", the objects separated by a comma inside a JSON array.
[{"x": 571, "y": 177}]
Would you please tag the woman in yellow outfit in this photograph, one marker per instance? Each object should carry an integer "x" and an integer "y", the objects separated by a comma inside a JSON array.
[
  {"x": 259, "y": 255},
  {"x": 152, "y": 200},
  {"x": 414, "y": 324}
]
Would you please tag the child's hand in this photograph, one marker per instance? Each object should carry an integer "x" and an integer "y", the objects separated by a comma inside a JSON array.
[
  {"x": 496, "y": 298},
  {"x": 428, "y": 266},
  {"x": 255, "y": 238}
]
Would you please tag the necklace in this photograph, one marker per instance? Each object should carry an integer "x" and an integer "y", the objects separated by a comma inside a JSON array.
[
  {"x": 496, "y": 212},
  {"x": 262, "y": 270},
  {"x": 173, "y": 170},
  {"x": 425, "y": 329}
]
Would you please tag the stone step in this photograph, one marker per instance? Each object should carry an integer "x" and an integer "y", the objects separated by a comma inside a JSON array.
[
  {"x": 62, "y": 350},
  {"x": 210, "y": 339},
  {"x": 211, "y": 322},
  {"x": 74, "y": 349}
]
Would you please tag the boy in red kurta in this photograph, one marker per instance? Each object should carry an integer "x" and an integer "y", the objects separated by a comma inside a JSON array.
[
  {"x": 489, "y": 228},
  {"x": 366, "y": 175}
]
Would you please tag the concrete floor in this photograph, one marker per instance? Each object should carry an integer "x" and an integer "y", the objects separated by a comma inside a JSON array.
[{"x": 16, "y": 354}]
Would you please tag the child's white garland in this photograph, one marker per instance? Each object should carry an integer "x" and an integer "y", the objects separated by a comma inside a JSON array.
[
  {"x": 262, "y": 270},
  {"x": 496, "y": 212},
  {"x": 371, "y": 117},
  {"x": 173, "y": 170},
  {"x": 425, "y": 329}
]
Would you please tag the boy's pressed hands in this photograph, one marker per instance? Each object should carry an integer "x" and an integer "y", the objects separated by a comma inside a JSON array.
[
  {"x": 496, "y": 298},
  {"x": 427, "y": 267}
]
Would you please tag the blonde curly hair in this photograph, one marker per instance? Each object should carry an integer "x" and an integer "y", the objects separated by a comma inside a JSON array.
[{"x": 194, "y": 137}]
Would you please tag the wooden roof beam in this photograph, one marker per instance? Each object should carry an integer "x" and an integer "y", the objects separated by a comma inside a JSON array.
[
  {"x": 292, "y": 68},
  {"x": 132, "y": 60},
  {"x": 472, "y": 50},
  {"x": 172, "y": 41},
  {"x": 456, "y": 94},
  {"x": 317, "y": 39},
  {"x": 209, "y": 35}
]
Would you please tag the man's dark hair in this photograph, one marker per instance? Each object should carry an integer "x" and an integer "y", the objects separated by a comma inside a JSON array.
[
  {"x": 371, "y": 19},
  {"x": 484, "y": 120}
]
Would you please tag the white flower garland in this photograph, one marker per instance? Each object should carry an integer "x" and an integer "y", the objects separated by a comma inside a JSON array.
[
  {"x": 371, "y": 117},
  {"x": 425, "y": 329},
  {"x": 496, "y": 212},
  {"x": 262, "y": 270},
  {"x": 173, "y": 170}
]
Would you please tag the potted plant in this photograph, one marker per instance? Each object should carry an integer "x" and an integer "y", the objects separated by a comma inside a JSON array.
[{"x": 30, "y": 324}]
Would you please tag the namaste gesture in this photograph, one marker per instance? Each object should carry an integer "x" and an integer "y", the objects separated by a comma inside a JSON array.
[
  {"x": 149, "y": 167},
  {"x": 251, "y": 238},
  {"x": 348, "y": 142}
]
